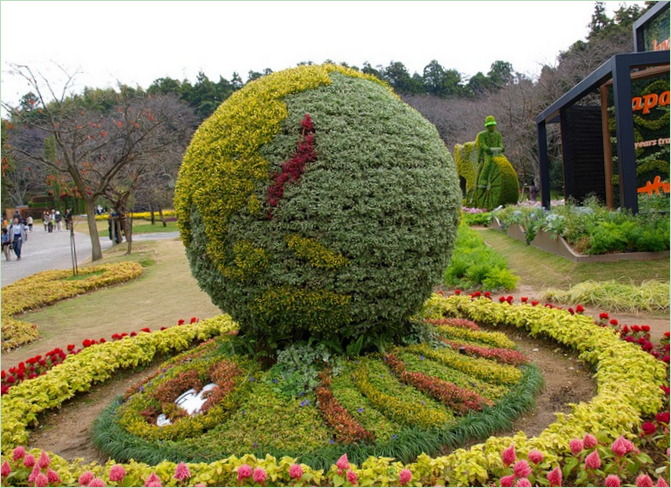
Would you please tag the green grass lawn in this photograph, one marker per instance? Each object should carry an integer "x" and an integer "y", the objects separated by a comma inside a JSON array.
[
  {"x": 541, "y": 269},
  {"x": 140, "y": 226}
]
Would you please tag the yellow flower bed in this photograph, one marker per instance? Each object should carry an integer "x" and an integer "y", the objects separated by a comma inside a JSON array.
[
  {"x": 48, "y": 287},
  {"x": 628, "y": 387},
  {"x": 141, "y": 215}
]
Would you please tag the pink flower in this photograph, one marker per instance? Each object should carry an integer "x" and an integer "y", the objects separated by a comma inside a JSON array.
[
  {"x": 117, "y": 473},
  {"x": 555, "y": 477},
  {"x": 508, "y": 455},
  {"x": 523, "y": 482},
  {"x": 644, "y": 480},
  {"x": 612, "y": 480},
  {"x": 152, "y": 480},
  {"x": 508, "y": 480},
  {"x": 85, "y": 478},
  {"x": 405, "y": 476},
  {"x": 522, "y": 469},
  {"x": 97, "y": 482},
  {"x": 295, "y": 471},
  {"x": 593, "y": 461},
  {"x": 19, "y": 452},
  {"x": 589, "y": 441},
  {"x": 535, "y": 456},
  {"x": 44, "y": 460},
  {"x": 342, "y": 463},
  {"x": 41, "y": 480},
  {"x": 244, "y": 471},
  {"x": 52, "y": 476},
  {"x": 260, "y": 475},
  {"x": 661, "y": 482},
  {"x": 153, "y": 484},
  {"x": 5, "y": 470},
  {"x": 576, "y": 446},
  {"x": 29, "y": 461},
  {"x": 622, "y": 446},
  {"x": 351, "y": 477},
  {"x": 182, "y": 472},
  {"x": 33, "y": 475}
]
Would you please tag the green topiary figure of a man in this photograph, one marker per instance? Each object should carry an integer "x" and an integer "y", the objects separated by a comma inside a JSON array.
[{"x": 489, "y": 142}]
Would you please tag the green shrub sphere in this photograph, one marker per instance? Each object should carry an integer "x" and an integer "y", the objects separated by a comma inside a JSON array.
[{"x": 315, "y": 203}]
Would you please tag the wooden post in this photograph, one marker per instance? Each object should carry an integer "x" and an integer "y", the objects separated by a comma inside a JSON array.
[{"x": 607, "y": 148}]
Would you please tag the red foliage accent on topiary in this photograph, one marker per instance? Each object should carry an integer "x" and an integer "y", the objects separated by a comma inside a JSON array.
[{"x": 295, "y": 167}]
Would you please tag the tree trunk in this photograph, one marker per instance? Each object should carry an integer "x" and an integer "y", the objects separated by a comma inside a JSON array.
[
  {"x": 96, "y": 249},
  {"x": 128, "y": 230},
  {"x": 153, "y": 219},
  {"x": 160, "y": 213}
]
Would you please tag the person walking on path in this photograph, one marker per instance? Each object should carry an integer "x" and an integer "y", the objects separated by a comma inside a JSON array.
[
  {"x": 29, "y": 221},
  {"x": 17, "y": 236}
]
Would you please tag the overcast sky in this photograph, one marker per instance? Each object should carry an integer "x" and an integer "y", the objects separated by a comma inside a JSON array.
[{"x": 138, "y": 42}]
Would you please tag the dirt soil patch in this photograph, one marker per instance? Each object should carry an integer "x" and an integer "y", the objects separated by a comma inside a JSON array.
[{"x": 67, "y": 432}]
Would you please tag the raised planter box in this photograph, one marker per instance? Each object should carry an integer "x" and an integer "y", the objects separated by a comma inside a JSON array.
[{"x": 560, "y": 247}]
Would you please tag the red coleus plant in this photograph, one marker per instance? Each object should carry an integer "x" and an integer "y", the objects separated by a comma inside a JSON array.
[{"x": 460, "y": 400}]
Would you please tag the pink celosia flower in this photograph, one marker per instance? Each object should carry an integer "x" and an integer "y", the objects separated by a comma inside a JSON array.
[
  {"x": 5, "y": 470},
  {"x": 576, "y": 446},
  {"x": 182, "y": 472},
  {"x": 244, "y": 471},
  {"x": 508, "y": 455},
  {"x": 153, "y": 484},
  {"x": 622, "y": 446},
  {"x": 44, "y": 460},
  {"x": 19, "y": 452},
  {"x": 612, "y": 480},
  {"x": 152, "y": 480},
  {"x": 644, "y": 480},
  {"x": 351, "y": 477},
  {"x": 589, "y": 441},
  {"x": 555, "y": 477},
  {"x": 405, "y": 476},
  {"x": 97, "y": 482},
  {"x": 522, "y": 469},
  {"x": 85, "y": 478},
  {"x": 593, "y": 461},
  {"x": 41, "y": 480},
  {"x": 260, "y": 475},
  {"x": 535, "y": 456},
  {"x": 33, "y": 475},
  {"x": 29, "y": 461},
  {"x": 295, "y": 471},
  {"x": 523, "y": 482},
  {"x": 508, "y": 480},
  {"x": 342, "y": 463},
  {"x": 117, "y": 473},
  {"x": 661, "y": 482},
  {"x": 52, "y": 476}
]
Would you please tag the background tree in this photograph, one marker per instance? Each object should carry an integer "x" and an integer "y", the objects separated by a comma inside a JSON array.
[{"x": 93, "y": 144}]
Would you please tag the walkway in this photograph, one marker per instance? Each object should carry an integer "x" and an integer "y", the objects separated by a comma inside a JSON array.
[{"x": 44, "y": 251}]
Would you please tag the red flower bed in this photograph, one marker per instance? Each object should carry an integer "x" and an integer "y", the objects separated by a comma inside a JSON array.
[
  {"x": 460, "y": 400},
  {"x": 504, "y": 356},
  {"x": 347, "y": 429}
]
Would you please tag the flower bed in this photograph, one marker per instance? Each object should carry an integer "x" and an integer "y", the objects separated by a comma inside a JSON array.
[
  {"x": 48, "y": 287},
  {"x": 628, "y": 380}
]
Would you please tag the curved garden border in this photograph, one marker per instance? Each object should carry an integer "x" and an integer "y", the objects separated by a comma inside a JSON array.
[
  {"x": 627, "y": 377},
  {"x": 49, "y": 287}
]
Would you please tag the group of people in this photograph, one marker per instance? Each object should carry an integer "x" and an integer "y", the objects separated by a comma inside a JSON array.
[
  {"x": 54, "y": 220},
  {"x": 14, "y": 235}
]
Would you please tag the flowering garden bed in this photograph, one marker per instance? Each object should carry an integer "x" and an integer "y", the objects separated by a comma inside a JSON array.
[
  {"x": 629, "y": 382},
  {"x": 48, "y": 287}
]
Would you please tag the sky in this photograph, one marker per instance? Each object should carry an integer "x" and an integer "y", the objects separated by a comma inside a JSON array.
[{"x": 136, "y": 43}]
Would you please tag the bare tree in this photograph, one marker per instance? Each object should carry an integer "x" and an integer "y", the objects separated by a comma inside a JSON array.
[{"x": 93, "y": 143}]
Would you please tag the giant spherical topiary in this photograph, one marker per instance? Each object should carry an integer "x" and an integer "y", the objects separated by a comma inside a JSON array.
[{"x": 315, "y": 203}]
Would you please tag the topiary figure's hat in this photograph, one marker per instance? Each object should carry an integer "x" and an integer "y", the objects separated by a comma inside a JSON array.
[{"x": 490, "y": 121}]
